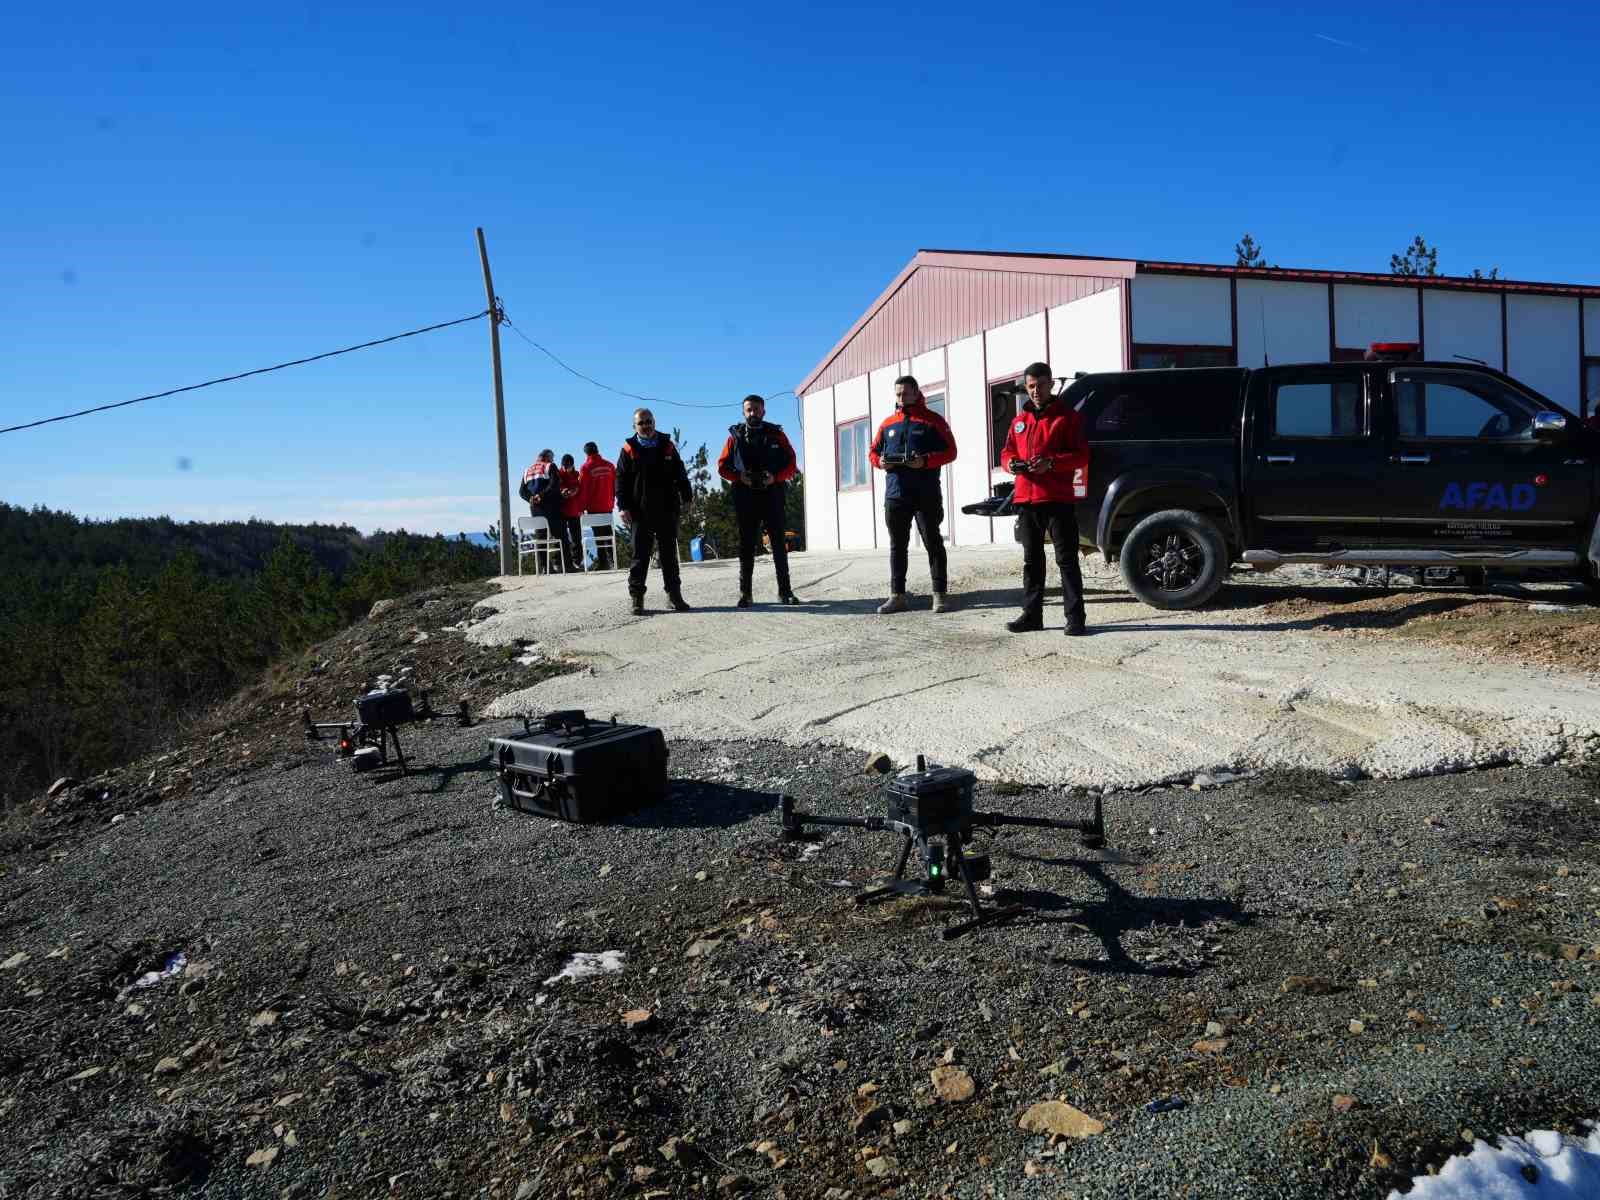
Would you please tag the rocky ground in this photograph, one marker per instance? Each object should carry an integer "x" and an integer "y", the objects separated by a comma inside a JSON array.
[{"x": 1281, "y": 985}]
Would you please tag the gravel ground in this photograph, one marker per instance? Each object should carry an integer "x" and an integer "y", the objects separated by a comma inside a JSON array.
[{"x": 1337, "y": 981}]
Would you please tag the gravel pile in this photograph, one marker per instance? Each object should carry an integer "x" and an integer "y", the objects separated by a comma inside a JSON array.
[{"x": 1279, "y": 985}]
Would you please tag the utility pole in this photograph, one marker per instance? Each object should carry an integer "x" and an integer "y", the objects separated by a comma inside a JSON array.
[{"x": 499, "y": 409}]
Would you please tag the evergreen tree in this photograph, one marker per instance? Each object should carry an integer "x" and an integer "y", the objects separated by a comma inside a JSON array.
[{"x": 1419, "y": 259}]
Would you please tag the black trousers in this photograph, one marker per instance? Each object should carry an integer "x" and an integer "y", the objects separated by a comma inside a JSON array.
[
  {"x": 928, "y": 515},
  {"x": 754, "y": 508},
  {"x": 1062, "y": 522},
  {"x": 649, "y": 531},
  {"x": 573, "y": 536}
]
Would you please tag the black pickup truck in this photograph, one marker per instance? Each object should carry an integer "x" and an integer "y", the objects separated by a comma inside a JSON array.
[{"x": 1434, "y": 467}]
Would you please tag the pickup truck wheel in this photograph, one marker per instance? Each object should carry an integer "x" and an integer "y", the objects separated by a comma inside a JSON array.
[{"x": 1175, "y": 559}]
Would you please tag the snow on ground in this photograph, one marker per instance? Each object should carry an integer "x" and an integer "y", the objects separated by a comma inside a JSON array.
[{"x": 1542, "y": 1166}]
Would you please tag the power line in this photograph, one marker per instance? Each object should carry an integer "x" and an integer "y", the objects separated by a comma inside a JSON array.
[
  {"x": 604, "y": 386},
  {"x": 194, "y": 387}
]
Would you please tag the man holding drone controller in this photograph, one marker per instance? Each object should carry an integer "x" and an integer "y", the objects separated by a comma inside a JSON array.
[
  {"x": 1047, "y": 452},
  {"x": 912, "y": 447}
]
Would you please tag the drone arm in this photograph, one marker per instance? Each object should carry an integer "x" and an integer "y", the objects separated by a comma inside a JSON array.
[
  {"x": 795, "y": 821},
  {"x": 1095, "y": 827}
]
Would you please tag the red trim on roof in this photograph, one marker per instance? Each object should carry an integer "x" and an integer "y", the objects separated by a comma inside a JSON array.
[{"x": 1369, "y": 277}]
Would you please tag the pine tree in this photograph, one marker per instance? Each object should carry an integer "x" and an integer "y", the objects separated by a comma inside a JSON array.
[
  {"x": 1419, "y": 259},
  {"x": 1247, "y": 254}
]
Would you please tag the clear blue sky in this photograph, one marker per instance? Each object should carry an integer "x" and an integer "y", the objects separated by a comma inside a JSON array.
[{"x": 685, "y": 201}]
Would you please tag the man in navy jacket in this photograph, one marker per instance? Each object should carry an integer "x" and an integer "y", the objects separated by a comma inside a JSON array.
[{"x": 911, "y": 447}]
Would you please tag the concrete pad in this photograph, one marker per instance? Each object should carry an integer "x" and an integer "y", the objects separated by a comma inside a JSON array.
[{"x": 1149, "y": 697}]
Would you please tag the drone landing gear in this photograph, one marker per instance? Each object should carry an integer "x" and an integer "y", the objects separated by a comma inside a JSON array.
[{"x": 942, "y": 859}]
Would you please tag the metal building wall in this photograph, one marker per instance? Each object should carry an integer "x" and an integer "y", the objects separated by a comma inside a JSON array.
[{"x": 938, "y": 305}]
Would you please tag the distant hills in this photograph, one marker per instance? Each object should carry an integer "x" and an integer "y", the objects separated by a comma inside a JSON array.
[{"x": 113, "y": 633}]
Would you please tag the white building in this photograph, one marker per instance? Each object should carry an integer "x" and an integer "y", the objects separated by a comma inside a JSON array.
[{"x": 967, "y": 323}]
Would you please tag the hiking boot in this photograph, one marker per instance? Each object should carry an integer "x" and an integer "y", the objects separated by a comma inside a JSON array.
[
  {"x": 788, "y": 598},
  {"x": 940, "y": 604},
  {"x": 1075, "y": 629},
  {"x": 679, "y": 604},
  {"x": 744, "y": 600},
  {"x": 1026, "y": 623},
  {"x": 895, "y": 603},
  {"x": 638, "y": 604}
]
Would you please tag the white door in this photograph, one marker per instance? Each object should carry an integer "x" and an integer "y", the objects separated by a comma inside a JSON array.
[{"x": 936, "y": 404}]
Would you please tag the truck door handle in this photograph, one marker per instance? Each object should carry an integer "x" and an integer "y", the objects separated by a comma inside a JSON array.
[
  {"x": 1412, "y": 459},
  {"x": 1279, "y": 458}
]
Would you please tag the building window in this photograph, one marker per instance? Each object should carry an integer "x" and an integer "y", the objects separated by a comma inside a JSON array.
[
  {"x": 1591, "y": 388},
  {"x": 935, "y": 403},
  {"x": 1147, "y": 357},
  {"x": 853, "y": 455},
  {"x": 1005, "y": 402}
]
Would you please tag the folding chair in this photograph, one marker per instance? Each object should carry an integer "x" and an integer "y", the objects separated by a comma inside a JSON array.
[
  {"x": 534, "y": 537},
  {"x": 603, "y": 543}
]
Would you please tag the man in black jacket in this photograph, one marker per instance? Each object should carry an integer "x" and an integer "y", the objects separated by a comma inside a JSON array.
[
  {"x": 759, "y": 462},
  {"x": 651, "y": 486}
]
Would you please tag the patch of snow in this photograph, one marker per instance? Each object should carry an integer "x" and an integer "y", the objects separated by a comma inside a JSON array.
[
  {"x": 585, "y": 964},
  {"x": 172, "y": 965},
  {"x": 1562, "y": 1168}
]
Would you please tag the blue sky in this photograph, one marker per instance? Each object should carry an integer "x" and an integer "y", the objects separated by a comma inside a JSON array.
[{"x": 689, "y": 204}]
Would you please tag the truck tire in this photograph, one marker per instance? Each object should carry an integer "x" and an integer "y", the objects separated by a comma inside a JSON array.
[{"x": 1175, "y": 559}]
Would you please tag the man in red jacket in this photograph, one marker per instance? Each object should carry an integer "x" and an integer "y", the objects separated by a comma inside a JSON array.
[
  {"x": 1047, "y": 452},
  {"x": 571, "y": 506},
  {"x": 597, "y": 482}
]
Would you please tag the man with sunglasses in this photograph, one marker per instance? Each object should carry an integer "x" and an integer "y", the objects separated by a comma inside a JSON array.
[
  {"x": 1047, "y": 452},
  {"x": 912, "y": 447},
  {"x": 652, "y": 485}
]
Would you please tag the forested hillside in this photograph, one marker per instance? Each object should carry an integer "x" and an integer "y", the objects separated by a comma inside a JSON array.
[{"x": 112, "y": 632}]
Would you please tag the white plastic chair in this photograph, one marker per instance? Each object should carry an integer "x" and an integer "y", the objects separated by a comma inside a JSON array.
[
  {"x": 534, "y": 537},
  {"x": 603, "y": 543}
]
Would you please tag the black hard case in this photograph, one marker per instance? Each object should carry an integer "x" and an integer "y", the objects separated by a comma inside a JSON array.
[{"x": 572, "y": 768}]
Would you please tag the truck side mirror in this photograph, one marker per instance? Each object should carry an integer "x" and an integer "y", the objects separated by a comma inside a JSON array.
[{"x": 1549, "y": 424}]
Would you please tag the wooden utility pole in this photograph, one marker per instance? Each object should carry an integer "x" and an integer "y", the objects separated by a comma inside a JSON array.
[{"x": 499, "y": 410}]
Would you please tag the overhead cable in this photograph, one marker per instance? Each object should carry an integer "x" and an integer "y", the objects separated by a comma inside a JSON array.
[
  {"x": 194, "y": 387},
  {"x": 603, "y": 386}
]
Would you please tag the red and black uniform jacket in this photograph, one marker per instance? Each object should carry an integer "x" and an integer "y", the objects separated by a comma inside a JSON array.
[
  {"x": 597, "y": 485},
  {"x": 651, "y": 480},
  {"x": 760, "y": 447},
  {"x": 571, "y": 505},
  {"x": 1055, "y": 435},
  {"x": 914, "y": 430},
  {"x": 541, "y": 487}
]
